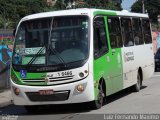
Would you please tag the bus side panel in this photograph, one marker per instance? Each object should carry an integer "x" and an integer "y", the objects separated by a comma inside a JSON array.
[
  {"x": 129, "y": 66},
  {"x": 109, "y": 67},
  {"x": 114, "y": 65},
  {"x": 136, "y": 57},
  {"x": 101, "y": 70},
  {"x": 116, "y": 70}
]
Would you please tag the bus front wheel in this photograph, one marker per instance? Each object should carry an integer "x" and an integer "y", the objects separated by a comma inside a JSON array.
[{"x": 100, "y": 97}]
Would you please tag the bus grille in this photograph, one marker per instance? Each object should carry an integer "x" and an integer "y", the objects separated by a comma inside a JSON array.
[
  {"x": 52, "y": 80},
  {"x": 57, "y": 96}
]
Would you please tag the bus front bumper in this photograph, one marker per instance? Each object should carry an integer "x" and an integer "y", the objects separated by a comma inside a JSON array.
[{"x": 58, "y": 94}]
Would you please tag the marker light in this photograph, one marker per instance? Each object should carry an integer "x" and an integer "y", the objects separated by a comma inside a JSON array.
[{"x": 86, "y": 71}]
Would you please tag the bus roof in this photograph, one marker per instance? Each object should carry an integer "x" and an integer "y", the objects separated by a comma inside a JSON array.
[{"x": 83, "y": 11}]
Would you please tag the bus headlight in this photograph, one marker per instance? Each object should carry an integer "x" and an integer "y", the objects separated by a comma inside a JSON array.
[{"x": 83, "y": 74}]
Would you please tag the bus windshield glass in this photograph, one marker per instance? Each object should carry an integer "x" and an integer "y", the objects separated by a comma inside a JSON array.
[{"x": 51, "y": 41}]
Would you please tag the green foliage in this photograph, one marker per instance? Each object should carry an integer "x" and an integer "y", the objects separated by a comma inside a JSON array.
[
  {"x": 83, "y": 6},
  {"x": 102, "y": 4},
  {"x": 152, "y": 7},
  {"x": 1, "y": 22},
  {"x": 11, "y": 11},
  {"x": 137, "y": 7},
  {"x": 6, "y": 41},
  {"x": 59, "y": 5}
]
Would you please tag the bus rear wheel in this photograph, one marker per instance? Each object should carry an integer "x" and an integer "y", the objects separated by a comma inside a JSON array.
[{"x": 138, "y": 85}]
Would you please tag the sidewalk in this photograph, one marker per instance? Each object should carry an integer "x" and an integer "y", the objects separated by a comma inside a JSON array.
[{"x": 5, "y": 98}]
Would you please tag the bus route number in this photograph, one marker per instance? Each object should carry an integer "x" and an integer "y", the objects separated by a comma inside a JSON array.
[{"x": 66, "y": 73}]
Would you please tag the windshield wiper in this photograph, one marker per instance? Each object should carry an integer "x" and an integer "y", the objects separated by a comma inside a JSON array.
[
  {"x": 58, "y": 56},
  {"x": 36, "y": 55},
  {"x": 53, "y": 49}
]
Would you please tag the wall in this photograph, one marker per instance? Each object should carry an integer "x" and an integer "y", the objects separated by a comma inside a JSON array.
[
  {"x": 156, "y": 40},
  {"x": 5, "y": 59}
]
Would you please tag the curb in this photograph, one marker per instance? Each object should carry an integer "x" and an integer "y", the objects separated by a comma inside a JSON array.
[
  {"x": 5, "y": 98},
  {"x": 5, "y": 104}
]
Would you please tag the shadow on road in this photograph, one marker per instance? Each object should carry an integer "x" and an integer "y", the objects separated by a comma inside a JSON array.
[
  {"x": 62, "y": 109},
  {"x": 120, "y": 95},
  {"x": 45, "y": 110}
]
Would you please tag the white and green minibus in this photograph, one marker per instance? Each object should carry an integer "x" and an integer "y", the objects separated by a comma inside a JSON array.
[{"x": 79, "y": 55}]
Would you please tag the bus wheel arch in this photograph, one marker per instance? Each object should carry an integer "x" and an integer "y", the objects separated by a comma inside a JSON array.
[
  {"x": 98, "y": 103},
  {"x": 102, "y": 81}
]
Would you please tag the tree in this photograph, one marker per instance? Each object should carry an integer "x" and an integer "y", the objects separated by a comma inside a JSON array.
[
  {"x": 99, "y": 4},
  {"x": 151, "y": 6},
  {"x": 59, "y": 5},
  {"x": 103, "y": 4},
  {"x": 11, "y": 11},
  {"x": 137, "y": 7},
  {"x": 5, "y": 13}
]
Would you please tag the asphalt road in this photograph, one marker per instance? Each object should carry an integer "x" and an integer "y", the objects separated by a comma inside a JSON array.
[{"x": 124, "y": 102}]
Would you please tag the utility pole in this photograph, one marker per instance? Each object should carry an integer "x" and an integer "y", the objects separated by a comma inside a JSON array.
[{"x": 143, "y": 9}]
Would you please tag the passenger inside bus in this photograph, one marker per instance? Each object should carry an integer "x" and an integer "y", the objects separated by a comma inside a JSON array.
[{"x": 136, "y": 39}]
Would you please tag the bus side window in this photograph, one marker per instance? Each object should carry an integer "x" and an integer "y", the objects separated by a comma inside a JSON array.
[
  {"x": 100, "y": 41},
  {"x": 137, "y": 31},
  {"x": 146, "y": 31},
  {"x": 127, "y": 32},
  {"x": 115, "y": 32}
]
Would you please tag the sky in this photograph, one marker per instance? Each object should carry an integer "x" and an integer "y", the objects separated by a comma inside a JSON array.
[{"x": 126, "y": 4}]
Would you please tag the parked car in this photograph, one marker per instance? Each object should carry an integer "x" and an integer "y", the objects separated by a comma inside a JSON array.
[{"x": 157, "y": 60}]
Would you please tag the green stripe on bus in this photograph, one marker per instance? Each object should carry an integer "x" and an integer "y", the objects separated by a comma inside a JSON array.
[
  {"x": 30, "y": 76},
  {"x": 103, "y": 13}
]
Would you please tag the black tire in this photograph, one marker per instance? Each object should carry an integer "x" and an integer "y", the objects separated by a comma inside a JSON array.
[
  {"x": 138, "y": 85},
  {"x": 100, "y": 97},
  {"x": 156, "y": 69}
]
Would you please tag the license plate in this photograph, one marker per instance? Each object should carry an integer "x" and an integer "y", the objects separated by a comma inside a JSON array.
[{"x": 46, "y": 92}]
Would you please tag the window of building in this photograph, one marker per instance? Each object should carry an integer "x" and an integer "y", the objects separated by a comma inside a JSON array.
[
  {"x": 137, "y": 31},
  {"x": 100, "y": 41},
  {"x": 115, "y": 32},
  {"x": 146, "y": 31}
]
